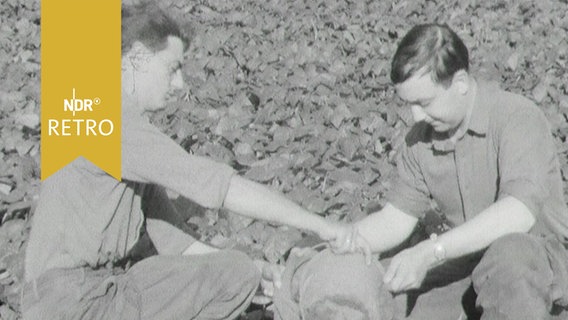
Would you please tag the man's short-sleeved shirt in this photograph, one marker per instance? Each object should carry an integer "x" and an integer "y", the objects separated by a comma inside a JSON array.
[
  {"x": 507, "y": 150},
  {"x": 85, "y": 217}
]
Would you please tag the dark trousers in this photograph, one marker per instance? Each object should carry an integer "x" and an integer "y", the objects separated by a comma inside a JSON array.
[
  {"x": 519, "y": 276},
  {"x": 523, "y": 277}
]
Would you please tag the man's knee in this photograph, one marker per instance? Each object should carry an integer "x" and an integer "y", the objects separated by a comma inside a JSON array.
[
  {"x": 243, "y": 269},
  {"x": 513, "y": 278},
  {"x": 511, "y": 256}
]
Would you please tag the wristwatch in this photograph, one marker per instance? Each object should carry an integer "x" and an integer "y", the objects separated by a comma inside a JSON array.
[{"x": 439, "y": 250}]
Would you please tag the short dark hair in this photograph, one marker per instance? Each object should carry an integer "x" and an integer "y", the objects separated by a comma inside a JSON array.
[
  {"x": 147, "y": 23},
  {"x": 434, "y": 46}
]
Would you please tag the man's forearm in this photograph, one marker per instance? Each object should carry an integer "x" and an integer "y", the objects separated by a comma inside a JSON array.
[
  {"x": 254, "y": 200},
  {"x": 506, "y": 216},
  {"x": 387, "y": 228}
]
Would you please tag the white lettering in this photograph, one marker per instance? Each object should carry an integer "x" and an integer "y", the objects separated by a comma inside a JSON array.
[
  {"x": 91, "y": 124},
  {"x": 64, "y": 127},
  {"x": 80, "y": 127},
  {"x": 53, "y": 124},
  {"x": 111, "y": 127},
  {"x": 75, "y": 105}
]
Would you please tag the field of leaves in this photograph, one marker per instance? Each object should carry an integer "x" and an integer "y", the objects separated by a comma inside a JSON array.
[{"x": 294, "y": 94}]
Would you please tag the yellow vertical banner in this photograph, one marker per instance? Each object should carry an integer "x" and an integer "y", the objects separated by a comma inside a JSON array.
[{"x": 80, "y": 84}]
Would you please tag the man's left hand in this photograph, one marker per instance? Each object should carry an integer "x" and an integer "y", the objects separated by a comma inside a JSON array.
[
  {"x": 349, "y": 240},
  {"x": 408, "y": 268}
]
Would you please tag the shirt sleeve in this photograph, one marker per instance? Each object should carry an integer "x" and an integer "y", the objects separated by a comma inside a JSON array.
[
  {"x": 409, "y": 192},
  {"x": 526, "y": 158},
  {"x": 149, "y": 156}
]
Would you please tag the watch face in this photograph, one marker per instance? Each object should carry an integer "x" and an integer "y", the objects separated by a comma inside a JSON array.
[{"x": 439, "y": 252}]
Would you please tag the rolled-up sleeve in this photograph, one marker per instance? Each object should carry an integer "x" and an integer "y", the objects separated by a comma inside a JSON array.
[
  {"x": 409, "y": 192},
  {"x": 526, "y": 159},
  {"x": 149, "y": 156}
]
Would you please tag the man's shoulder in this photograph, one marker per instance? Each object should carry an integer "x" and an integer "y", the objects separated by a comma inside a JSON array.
[
  {"x": 511, "y": 113},
  {"x": 505, "y": 103},
  {"x": 137, "y": 129}
]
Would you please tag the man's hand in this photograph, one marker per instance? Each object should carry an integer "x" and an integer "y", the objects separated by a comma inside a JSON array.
[
  {"x": 348, "y": 240},
  {"x": 270, "y": 281},
  {"x": 408, "y": 268}
]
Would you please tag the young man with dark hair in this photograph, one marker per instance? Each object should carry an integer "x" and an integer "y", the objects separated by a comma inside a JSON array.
[
  {"x": 87, "y": 222},
  {"x": 487, "y": 160}
]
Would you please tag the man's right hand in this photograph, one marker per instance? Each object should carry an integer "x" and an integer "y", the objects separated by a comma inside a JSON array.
[{"x": 270, "y": 281}]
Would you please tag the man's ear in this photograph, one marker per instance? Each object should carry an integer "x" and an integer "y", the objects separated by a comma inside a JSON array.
[{"x": 461, "y": 81}]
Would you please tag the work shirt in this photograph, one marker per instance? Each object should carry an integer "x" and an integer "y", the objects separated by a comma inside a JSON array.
[
  {"x": 86, "y": 218},
  {"x": 507, "y": 150}
]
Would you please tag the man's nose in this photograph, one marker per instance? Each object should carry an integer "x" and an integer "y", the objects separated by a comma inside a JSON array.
[
  {"x": 177, "y": 80},
  {"x": 418, "y": 113}
]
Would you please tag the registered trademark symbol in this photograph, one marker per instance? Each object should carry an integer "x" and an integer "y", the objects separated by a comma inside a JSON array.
[{"x": 97, "y": 101}]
